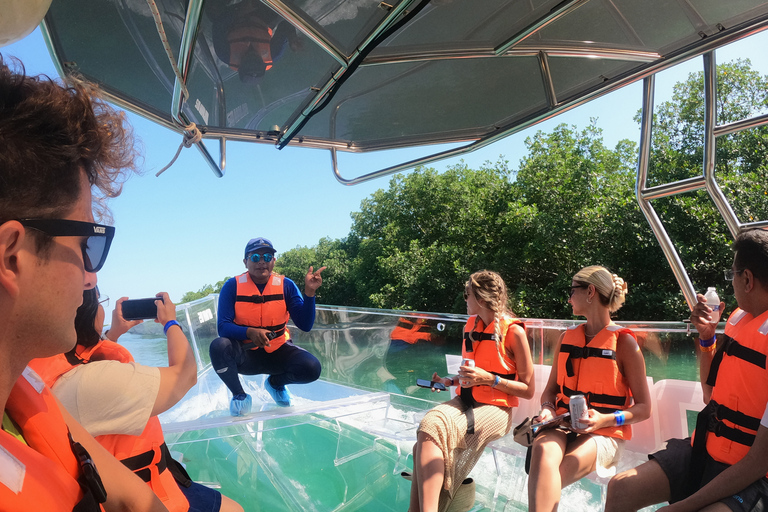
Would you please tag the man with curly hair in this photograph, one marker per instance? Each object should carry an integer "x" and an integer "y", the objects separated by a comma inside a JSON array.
[{"x": 57, "y": 143}]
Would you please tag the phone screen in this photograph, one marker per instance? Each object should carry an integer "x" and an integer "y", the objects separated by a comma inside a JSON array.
[
  {"x": 422, "y": 383},
  {"x": 140, "y": 309}
]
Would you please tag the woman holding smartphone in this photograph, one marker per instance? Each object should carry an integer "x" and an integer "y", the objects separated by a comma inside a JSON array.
[
  {"x": 453, "y": 435},
  {"x": 602, "y": 362}
]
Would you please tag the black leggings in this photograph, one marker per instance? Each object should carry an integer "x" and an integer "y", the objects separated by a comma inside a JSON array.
[{"x": 288, "y": 364}]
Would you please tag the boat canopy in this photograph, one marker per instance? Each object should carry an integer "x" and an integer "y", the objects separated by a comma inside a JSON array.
[{"x": 364, "y": 75}]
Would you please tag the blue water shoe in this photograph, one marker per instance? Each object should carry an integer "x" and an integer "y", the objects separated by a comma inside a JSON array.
[
  {"x": 281, "y": 396},
  {"x": 240, "y": 405}
]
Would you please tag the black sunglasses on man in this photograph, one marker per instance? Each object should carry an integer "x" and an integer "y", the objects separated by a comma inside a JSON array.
[{"x": 96, "y": 245}]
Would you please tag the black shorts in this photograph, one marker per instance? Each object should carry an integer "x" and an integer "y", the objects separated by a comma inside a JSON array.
[
  {"x": 202, "y": 498},
  {"x": 675, "y": 461}
]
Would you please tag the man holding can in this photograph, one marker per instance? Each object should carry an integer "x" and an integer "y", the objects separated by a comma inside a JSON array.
[
  {"x": 725, "y": 466},
  {"x": 254, "y": 309}
]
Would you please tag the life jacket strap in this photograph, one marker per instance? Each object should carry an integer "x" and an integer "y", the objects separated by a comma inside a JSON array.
[
  {"x": 258, "y": 299},
  {"x": 595, "y": 399},
  {"x": 469, "y": 400},
  {"x": 249, "y": 344},
  {"x": 733, "y": 348},
  {"x": 469, "y": 337},
  {"x": 90, "y": 481},
  {"x": 575, "y": 352}
]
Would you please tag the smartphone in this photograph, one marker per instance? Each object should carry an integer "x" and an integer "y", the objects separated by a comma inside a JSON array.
[
  {"x": 422, "y": 383},
  {"x": 140, "y": 309},
  {"x": 552, "y": 422}
]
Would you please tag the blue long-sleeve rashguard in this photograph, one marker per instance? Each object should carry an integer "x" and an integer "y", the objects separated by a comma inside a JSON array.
[{"x": 300, "y": 307}]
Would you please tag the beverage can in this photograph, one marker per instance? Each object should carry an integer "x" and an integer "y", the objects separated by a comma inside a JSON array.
[
  {"x": 470, "y": 363},
  {"x": 578, "y": 408}
]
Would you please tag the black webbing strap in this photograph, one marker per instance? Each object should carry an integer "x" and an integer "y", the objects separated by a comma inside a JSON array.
[
  {"x": 733, "y": 348},
  {"x": 575, "y": 352},
  {"x": 140, "y": 464},
  {"x": 596, "y": 398},
  {"x": 469, "y": 337},
  {"x": 468, "y": 399},
  {"x": 470, "y": 402},
  {"x": 90, "y": 480},
  {"x": 177, "y": 470},
  {"x": 710, "y": 419},
  {"x": 249, "y": 344},
  {"x": 258, "y": 299}
]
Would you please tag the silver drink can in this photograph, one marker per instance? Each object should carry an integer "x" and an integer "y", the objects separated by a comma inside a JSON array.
[
  {"x": 578, "y": 408},
  {"x": 470, "y": 363}
]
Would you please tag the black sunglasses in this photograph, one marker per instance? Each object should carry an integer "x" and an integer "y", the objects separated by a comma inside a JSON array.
[
  {"x": 96, "y": 245},
  {"x": 255, "y": 257},
  {"x": 572, "y": 289}
]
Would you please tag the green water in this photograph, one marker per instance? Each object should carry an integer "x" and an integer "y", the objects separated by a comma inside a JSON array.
[{"x": 325, "y": 465}]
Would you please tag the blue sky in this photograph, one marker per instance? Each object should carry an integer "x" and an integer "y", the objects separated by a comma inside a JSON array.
[{"x": 187, "y": 228}]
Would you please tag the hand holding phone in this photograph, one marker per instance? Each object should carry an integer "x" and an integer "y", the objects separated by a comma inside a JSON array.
[
  {"x": 140, "y": 309},
  {"x": 552, "y": 422},
  {"x": 423, "y": 383}
]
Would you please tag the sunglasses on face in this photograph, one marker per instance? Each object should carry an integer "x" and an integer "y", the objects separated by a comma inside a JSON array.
[
  {"x": 573, "y": 289},
  {"x": 730, "y": 273},
  {"x": 256, "y": 257},
  {"x": 95, "y": 247}
]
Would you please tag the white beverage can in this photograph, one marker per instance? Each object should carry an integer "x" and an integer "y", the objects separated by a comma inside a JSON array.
[
  {"x": 578, "y": 408},
  {"x": 470, "y": 363}
]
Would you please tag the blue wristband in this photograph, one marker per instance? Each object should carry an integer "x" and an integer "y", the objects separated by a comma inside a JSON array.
[
  {"x": 620, "y": 418},
  {"x": 170, "y": 324},
  {"x": 496, "y": 381},
  {"x": 707, "y": 343}
]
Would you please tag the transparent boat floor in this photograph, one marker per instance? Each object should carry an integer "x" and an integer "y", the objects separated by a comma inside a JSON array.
[{"x": 344, "y": 443}]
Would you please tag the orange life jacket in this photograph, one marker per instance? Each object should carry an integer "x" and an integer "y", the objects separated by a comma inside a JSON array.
[
  {"x": 738, "y": 374},
  {"x": 44, "y": 474},
  {"x": 146, "y": 454},
  {"x": 411, "y": 330},
  {"x": 489, "y": 354},
  {"x": 263, "y": 310},
  {"x": 591, "y": 370},
  {"x": 254, "y": 34}
]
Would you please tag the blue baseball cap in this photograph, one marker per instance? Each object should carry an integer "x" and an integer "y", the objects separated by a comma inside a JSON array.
[{"x": 258, "y": 243}]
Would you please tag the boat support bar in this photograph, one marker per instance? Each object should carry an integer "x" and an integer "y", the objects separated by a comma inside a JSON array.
[{"x": 705, "y": 181}]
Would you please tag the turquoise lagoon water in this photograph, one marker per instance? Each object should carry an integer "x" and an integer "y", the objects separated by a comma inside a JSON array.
[{"x": 349, "y": 458}]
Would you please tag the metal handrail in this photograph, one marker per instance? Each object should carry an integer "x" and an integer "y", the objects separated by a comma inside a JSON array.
[
  {"x": 706, "y": 181},
  {"x": 712, "y": 42},
  {"x": 667, "y": 247}
]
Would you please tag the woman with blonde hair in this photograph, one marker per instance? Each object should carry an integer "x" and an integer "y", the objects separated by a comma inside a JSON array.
[
  {"x": 453, "y": 435},
  {"x": 601, "y": 361}
]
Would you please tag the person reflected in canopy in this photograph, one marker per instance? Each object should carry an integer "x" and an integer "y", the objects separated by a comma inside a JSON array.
[{"x": 250, "y": 37}]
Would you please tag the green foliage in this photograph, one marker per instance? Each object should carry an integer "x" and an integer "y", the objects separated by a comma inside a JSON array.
[
  {"x": 571, "y": 203},
  {"x": 203, "y": 292}
]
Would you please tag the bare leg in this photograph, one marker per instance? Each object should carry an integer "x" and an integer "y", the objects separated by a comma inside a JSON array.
[
  {"x": 413, "y": 506},
  {"x": 716, "y": 507},
  {"x": 579, "y": 461},
  {"x": 229, "y": 505},
  {"x": 428, "y": 473},
  {"x": 636, "y": 488},
  {"x": 544, "y": 482}
]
